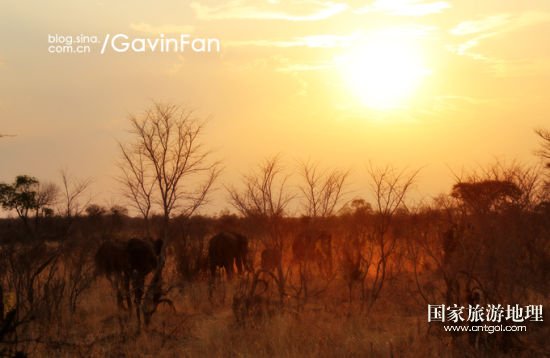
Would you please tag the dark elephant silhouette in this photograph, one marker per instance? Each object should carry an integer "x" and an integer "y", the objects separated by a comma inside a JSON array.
[
  {"x": 126, "y": 264},
  {"x": 111, "y": 261},
  {"x": 227, "y": 249}
]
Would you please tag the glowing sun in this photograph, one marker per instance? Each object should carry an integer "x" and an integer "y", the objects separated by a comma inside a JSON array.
[{"x": 383, "y": 71}]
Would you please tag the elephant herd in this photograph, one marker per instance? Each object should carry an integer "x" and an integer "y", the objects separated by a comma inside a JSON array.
[{"x": 126, "y": 264}]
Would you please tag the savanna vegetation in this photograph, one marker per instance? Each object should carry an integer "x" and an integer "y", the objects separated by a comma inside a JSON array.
[{"x": 340, "y": 276}]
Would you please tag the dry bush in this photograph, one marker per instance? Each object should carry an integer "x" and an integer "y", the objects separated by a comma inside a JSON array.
[{"x": 256, "y": 298}]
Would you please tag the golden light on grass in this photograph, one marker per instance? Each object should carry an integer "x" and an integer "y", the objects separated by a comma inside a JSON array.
[{"x": 384, "y": 70}]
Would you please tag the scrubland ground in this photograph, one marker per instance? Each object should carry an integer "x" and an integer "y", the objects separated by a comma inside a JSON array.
[{"x": 204, "y": 326}]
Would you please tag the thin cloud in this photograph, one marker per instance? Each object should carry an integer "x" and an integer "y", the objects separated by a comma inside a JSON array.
[
  {"x": 336, "y": 41},
  {"x": 489, "y": 23},
  {"x": 303, "y": 67},
  {"x": 499, "y": 24},
  {"x": 313, "y": 41},
  {"x": 161, "y": 29},
  {"x": 405, "y": 7},
  {"x": 263, "y": 43},
  {"x": 301, "y": 11},
  {"x": 326, "y": 40},
  {"x": 477, "y": 31}
]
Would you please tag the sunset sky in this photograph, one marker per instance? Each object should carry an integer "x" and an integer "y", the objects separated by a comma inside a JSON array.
[{"x": 431, "y": 84}]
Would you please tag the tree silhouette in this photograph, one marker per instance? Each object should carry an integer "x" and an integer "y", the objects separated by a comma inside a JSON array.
[
  {"x": 321, "y": 190},
  {"x": 265, "y": 195},
  {"x": 544, "y": 152},
  {"x": 169, "y": 156},
  {"x": 21, "y": 196},
  {"x": 72, "y": 191},
  {"x": 487, "y": 195},
  {"x": 166, "y": 164}
]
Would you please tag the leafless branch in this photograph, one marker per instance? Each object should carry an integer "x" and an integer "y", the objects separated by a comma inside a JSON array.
[
  {"x": 73, "y": 189},
  {"x": 265, "y": 193},
  {"x": 321, "y": 190},
  {"x": 166, "y": 158}
]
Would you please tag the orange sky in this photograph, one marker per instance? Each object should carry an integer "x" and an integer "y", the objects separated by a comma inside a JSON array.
[{"x": 278, "y": 85}]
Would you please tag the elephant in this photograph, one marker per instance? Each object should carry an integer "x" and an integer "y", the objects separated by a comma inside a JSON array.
[
  {"x": 227, "y": 249},
  {"x": 111, "y": 261},
  {"x": 126, "y": 264}
]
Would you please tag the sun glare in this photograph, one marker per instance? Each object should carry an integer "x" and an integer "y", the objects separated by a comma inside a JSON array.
[{"x": 383, "y": 71}]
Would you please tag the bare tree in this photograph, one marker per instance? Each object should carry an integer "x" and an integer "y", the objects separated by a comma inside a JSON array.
[
  {"x": 168, "y": 150},
  {"x": 389, "y": 188},
  {"x": 265, "y": 195},
  {"x": 137, "y": 180},
  {"x": 167, "y": 164},
  {"x": 322, "y": 190},
  {"x": 265, "y": 198},
  {"x": 544, "y": 151},
  {"x": 47, "y": 195},
  {"x": 73, "y": 189}
]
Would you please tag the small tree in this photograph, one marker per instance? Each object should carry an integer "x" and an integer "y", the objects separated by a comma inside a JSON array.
[
  {"x": 21, "y": 196},
  {"x": 72, "y": 192},
  {"x": 544, "y": 152},
  {"x": 46, "y": 196},
  {"x": 95, "y": 210},
  {"x": 265, "y": 198},
  {"x": 321, "y": 190},
  {"x": 389, "y": 188}
]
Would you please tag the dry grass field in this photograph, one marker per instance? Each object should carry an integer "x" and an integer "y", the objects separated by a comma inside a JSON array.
[{"x": 222, "y": 318}]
